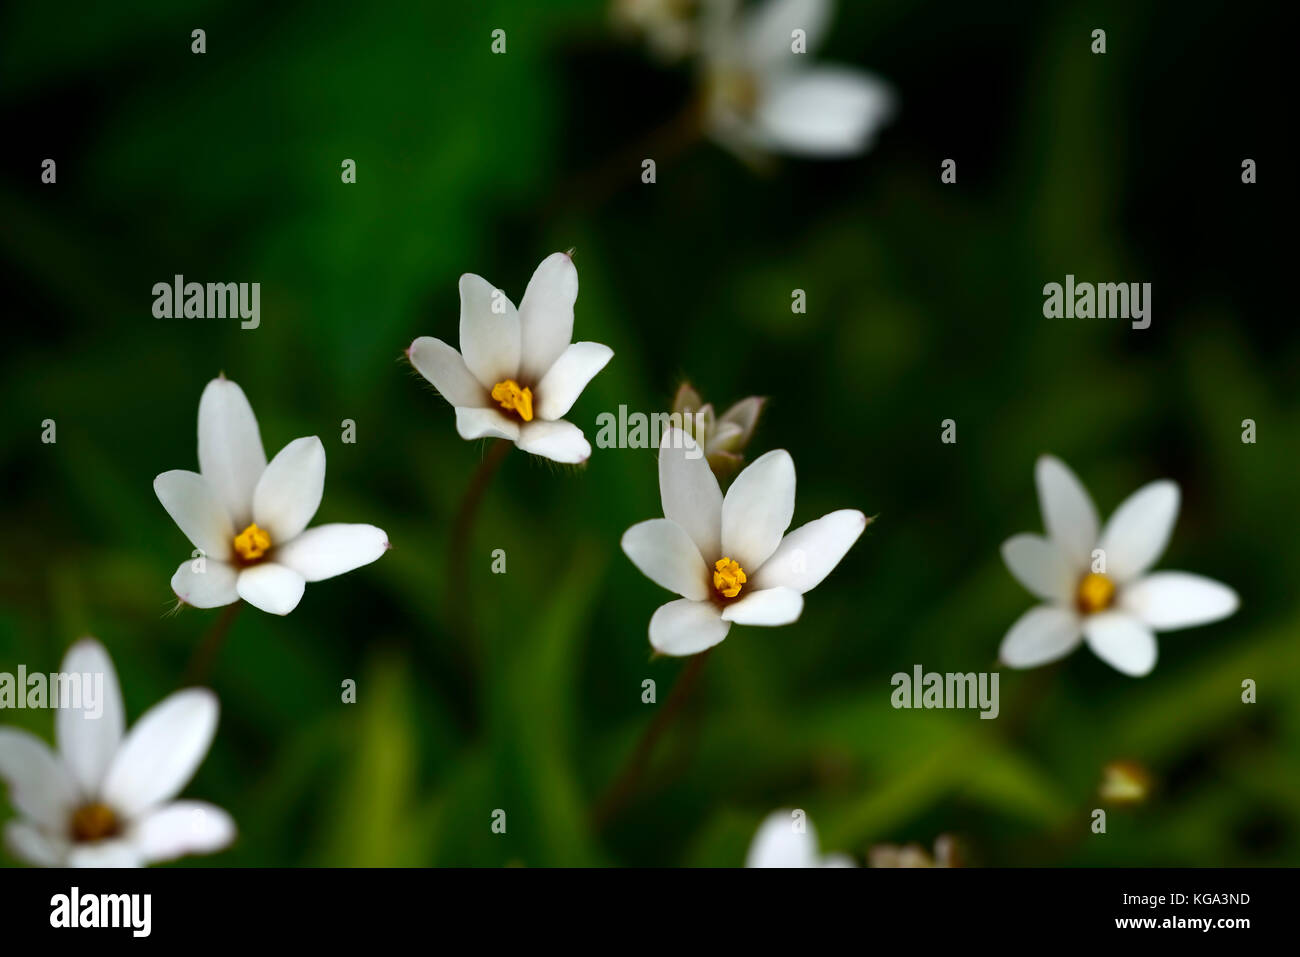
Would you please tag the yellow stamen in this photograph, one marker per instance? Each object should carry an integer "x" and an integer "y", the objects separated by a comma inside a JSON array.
[
  {"x": 728, "y": 577},
  {"x": 93, "y": 822},
  {"x": 514, "y": 399},
  {"x": 252, "y": 543},
  {"x": 1095, "y": 593}
]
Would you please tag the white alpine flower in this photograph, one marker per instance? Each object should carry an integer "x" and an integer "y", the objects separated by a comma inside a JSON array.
[
  {"x": 729, "y": 558},
  {"x": 248, "y": 520},
  {"x": 518, "y": 371},
  {"x": 787, "y": 839},
  {"x": 106, "y": 798},
  {"x": 1094, "y": 580},
  {"x": 761, "y": 96}
]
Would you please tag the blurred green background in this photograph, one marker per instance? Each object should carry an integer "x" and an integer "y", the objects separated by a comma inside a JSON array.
[{"x": 924, "y": 303}]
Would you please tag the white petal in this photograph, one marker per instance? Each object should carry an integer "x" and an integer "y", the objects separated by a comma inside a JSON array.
[
  {"x": 193, "y": 505},
  {"x": 809, "y": 553},
  {"x": 758, "y": 509},
  {"x": 723, "y": 437},
  {"x": 560, "y": 441},
  {"x": 690, "y": 493},
  {"x": 446, "y": 370},
  {"x": 290, "y": 489},
  {"x": 783, "y": 840},
  {"x": 768, "y": 606},
  {"x": 766, "y": 31},
  {"x": 546, "y": 315},
  {"x": 329, "y": 550},
  {"x": 104, "y": 854},
  {"x": 823, "y": 111},
  {"x": 89, "y": 735},
  {"x": 1168, "y": 600},
  {"x": 40, "y": 786},
  {"x": 180, "y": 828},
  {"x": 685, "y": 627},
  {"x": 230, "y": 448},
  {"x": 161, "y": 752},
  {"x": 744, "y": 414},
  {"x": 489, "y": 340},
  {"x": 1068, "y": 513},
  {"x": 485, "y": 424},
  {"x": 566, "y": 379},
  {"x": 1042, "y": 634},
  {"x": 274, "y": 588},
  {"x": 210, "y": 588},
  {"x": 1138, "y": 532},
  {"x": 34, "y": 846},
  {"x": 1121, "y": 641},
  {"x": 665, "y": 554},
  {"x": 1041, "y": 565}
]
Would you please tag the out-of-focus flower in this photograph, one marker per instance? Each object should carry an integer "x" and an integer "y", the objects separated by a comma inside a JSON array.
[
  {"x": 1095, "y": 582},
  {"x": 787, "y": 839},
  {"x": 914, "y": 855},
  {"x": 518, "y": 371},
  {"x": 106, "y": 798},
  {"x": 761, "y": 94},
  {"x": 729, "y": 558},
  {"x": 1124, "y": 782},
  {"x": 724, "y": 437},
  {"x": 248, "y": 519},
  {"x": 669, "y": 26}
]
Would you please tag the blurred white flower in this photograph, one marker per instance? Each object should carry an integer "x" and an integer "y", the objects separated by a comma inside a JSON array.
[
  {"x": 729, "y": 558},
  {"x": 518, "y": 372},
  {"x": 249, "y": 519},
  {"x": 723, "y": 437},
  {"x": 914, "y": 855},
  {"x": 1094, "y": 582},
  {"x": 667, "y": 25},
  {"x": 105, "y": 799},
  {"x": 762, "y": 95},
  {"x": 787, "y": 839}
]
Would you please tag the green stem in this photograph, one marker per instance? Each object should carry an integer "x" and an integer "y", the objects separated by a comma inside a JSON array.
[{"x": 624, "y": 786}]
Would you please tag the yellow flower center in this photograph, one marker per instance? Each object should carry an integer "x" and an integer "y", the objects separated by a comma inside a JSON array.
[
  {"x": 1095, "y": 593},
  {"x": 728, "y": 577},
  {"x": 93, "y": 822},
  {"x": 252, "y": 543},
  {"x": 514, "y": 398}
]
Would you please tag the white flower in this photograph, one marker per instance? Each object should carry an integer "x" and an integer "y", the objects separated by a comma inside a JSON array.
[
  {"x": 723, "y": 437},
  {"x": 1094, "y": 582},
  {"x": 788, "y": 839},
  {"x": 106, "y": 800},
  {"x": 763, "y": 97},
  {"x": 730, "y": 559},
  {"x": 517, "y": 373},
  {"x": 666, "y": 24},
  {"x": 248, "y": 519}
]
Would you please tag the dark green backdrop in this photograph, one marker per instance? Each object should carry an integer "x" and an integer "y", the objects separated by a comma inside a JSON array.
[{"x": 924, "y": 303}]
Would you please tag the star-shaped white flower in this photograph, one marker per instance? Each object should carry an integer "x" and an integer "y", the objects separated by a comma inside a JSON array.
[
  {"x": 788, "y": 839},
  {"x": 763, "y": 97},
  {"x": 106, "y": 798},
  {"x": 518, "y": 372},
  {"x": 249, "y": 519},
  {"x": 729, "y": 558},
  {"x": 1095, "y": 582}
]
